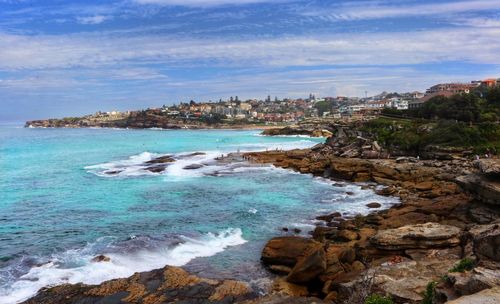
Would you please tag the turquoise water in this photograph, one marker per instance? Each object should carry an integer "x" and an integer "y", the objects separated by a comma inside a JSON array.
[{"x": 60, "y": 207}]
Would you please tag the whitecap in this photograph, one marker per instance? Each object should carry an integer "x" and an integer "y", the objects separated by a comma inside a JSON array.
[{"x": 75, "y": 266}]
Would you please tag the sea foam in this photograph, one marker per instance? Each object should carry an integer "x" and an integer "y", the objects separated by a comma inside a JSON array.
[{"x": 75, "y": 266}]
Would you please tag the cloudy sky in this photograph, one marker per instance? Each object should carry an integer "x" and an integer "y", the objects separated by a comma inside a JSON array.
[{"x": 62, "y": 57}]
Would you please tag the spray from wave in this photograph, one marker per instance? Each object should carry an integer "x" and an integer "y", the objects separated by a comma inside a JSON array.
[{"x": 75, "y": 266}]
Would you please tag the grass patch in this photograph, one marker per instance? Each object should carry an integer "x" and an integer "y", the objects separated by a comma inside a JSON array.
[
  {"x": 430, "y": 292},
  {"x": 376, "y": 299},
  {"x": 464, "y": 265}
]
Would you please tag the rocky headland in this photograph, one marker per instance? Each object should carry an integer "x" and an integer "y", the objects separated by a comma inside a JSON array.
[{"x": 440, "y": 244}]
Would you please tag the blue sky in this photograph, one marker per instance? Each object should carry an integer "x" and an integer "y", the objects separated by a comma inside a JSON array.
[{"x": 63, "y": 58}]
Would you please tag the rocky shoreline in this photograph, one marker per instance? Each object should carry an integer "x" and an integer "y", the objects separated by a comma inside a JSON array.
[{"x": 448, "y": 216}]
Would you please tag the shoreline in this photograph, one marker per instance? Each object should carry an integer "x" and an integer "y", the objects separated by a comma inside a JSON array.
[{"x": 282, "y": 288}]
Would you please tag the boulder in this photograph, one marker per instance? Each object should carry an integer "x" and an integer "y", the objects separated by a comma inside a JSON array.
[
  {"x": 428, "y": 235},
  {"x": 486, "y": 240},
  {"x": 373, "y": 205},
  {"x": 193, "y": 167},
  {"x": 490, "y": 168},
  {"x": 286, "y": 250},
  {"x": 347, "y": 235},
  {"x": 473, "y": 281},
  {"x": 487, "y": 296},
  {"x": 281, "y": 286},
  {"x": 101, "y": 258},
  {"x": 483, "y": 189},
  {"x": 229, "y": 289},
  {"x": 309, "y": 265}
]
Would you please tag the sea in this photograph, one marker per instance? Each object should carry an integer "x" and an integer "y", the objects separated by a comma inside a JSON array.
[{"x": 60, "y": 207}]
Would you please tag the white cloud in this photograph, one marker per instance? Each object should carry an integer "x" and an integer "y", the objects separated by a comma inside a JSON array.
[
  {"x": 93, "y": 50},
  {"x": 366, "y": 10},
  {"x": 201, "y": 3},
  {"x": 97, "y": 19}
]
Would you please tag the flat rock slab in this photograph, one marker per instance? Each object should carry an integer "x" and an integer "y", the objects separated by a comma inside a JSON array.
[
  {"x": 487, "y": 296},
  {"x": 428, "y": 235}
]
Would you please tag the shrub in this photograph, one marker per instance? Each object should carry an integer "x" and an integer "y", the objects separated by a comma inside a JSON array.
[
  {"x": 464, "y": 265},
  {"x": 376, "y": 299},
  {"x": 430, "y": 292}
]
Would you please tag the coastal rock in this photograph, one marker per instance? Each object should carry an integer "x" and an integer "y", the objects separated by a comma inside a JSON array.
[
  {"x": 283, "y": 287},
  {"x": 281, "y": 299},
  {"x": 481, "y": 188},
  {"x": 373, "y": 205},
  {"x": 490, "y": 168},
  {"x": 486, "y": 240},
  {"x": 101, "y": 258},
  {"x": 229, "y": 289},
  {"x": 161, "y": 160},
  {"x": 166, "y": 285},
  {"x": 309, "y": 265},
  {"x": 473, "y": 281},
  {"x": 286, "y": 131},
  {"x": 193, "y": 167},
  {"x": 428, "y": 235},
  {"x": 286, "y": 250},
  {"x": 487, "y": 296},
  {"x": 406, "y": 281}
]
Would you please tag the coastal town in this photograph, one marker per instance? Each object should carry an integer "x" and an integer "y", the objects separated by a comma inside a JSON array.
[{"x": 269, "y": 111}]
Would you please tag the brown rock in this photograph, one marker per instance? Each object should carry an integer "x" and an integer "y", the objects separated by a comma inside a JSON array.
[
  {"x": 101, "y": 258},
  {"x": 309, "y": 266},
  {"x": 230, "y": 289},
  {"x": 347, "y": 235},
  {"x": 286, "y": 250},
  {"x": 373, "y": 205},
  {"x": 429, "y": 235},
  {"x": 348, "y": 255},
  {"x": 424, "y": 186},
  {"x": 281, "y": 286}
]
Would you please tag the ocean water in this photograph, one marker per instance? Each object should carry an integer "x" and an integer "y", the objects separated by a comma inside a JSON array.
[{"x": 60, "y": 206}]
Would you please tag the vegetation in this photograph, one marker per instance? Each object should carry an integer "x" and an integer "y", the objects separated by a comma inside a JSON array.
[
  {"x": 376, "y": 299},
  {"x": 470, "y": 108},
  {"x": 323, "y": 106},
  {"x": 430, "y": 292},
  {"x": 414, "y": 136},
  {"x": 464, "y": 265}
]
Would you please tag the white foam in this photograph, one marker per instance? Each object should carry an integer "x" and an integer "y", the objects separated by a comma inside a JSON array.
[
  {"x": 252, "y": 210},
  {"x": 133, "y": 166},
  {"x": 121, "y": 265}
]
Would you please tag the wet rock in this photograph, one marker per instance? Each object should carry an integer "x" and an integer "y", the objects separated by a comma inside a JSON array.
[
  {"x": 281, "y": 269},
  {"x": 283, "y": 287},
  {"x": 101, "y": 258},
  {"x": 166, "y": 285},
  {"x": 286, "y": 250},
  {"x": 347, "y": 235},
  {"x": 161, "y": 160},
  {"x": 348, "y": 255},
  {"x": 329, "y": 217},
  {"x": 373, "y": 205},
  {"x": 386, "y": 191},
  {"x": 193, "y": 167},
  {"x": 424, "y": 186},
  {"x": 321, "y": 233},
  {"x": 309, "y": 265},
  {"x": 429, "y": 235},
  {"x": 230, "y": 289}
]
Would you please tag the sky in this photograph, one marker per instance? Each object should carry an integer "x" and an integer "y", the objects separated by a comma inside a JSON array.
[{"x": 73, "y": 57}]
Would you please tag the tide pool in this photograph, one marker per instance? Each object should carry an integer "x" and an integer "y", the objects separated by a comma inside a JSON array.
[{"x": 59, "y": 208}]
